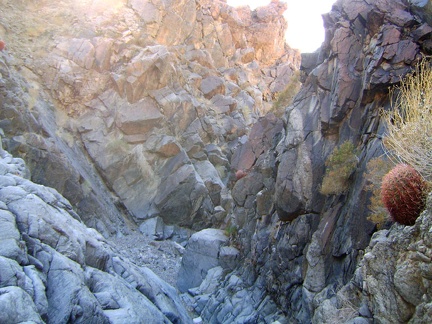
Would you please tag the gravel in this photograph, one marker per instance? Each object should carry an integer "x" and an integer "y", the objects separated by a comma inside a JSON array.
[{"x": 162, "y": 257}]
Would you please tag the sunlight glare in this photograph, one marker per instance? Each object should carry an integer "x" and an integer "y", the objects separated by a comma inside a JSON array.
[{"x": 305, "y": 26}]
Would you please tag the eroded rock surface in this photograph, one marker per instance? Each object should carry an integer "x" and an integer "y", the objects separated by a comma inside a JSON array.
[
  {"x": 55, "y": 269},
  {"x": 395, "y": 290}
]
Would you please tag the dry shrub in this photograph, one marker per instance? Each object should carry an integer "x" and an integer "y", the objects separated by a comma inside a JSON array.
[
  {"x": 286, "y": 97},
  {"x": 409, "y": 124},
  {"x": 340, "y": 166},
  {"x": 376, "y": 169}
]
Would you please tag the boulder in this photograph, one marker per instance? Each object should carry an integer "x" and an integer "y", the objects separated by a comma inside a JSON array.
[
  {"x": 212, "y": 180},
  {"x": 202, "y": 253},
  {"x": 180, "y": 195},
  {"x": 138, "y": 118},
  {"x": 153, "y": 227}
]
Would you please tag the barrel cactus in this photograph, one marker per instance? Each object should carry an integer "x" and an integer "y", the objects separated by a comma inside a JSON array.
[{"x": 403, "y": 192}]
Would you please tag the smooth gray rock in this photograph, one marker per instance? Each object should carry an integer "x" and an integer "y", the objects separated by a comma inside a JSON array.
[
  {"x": 10, "y": 245},
  {"x": 68, "y": 296},
  {"x": 153, "y": 227},
  {"x": 11, "y": 274},
  {"x": 39, "y": 293},
  {"x": 63, "y": 271},
  {"x": 16, "y": 306},
  {"x": 120, "y": 304},
  {"x": 202, "y": 253},
  {"x": 211, "y": 281}
]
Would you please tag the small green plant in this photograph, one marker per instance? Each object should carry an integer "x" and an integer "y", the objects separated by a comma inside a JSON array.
[
  {"x": 231, "y": 231},
  {"x": 339, "y": 167},
  {"x": 286, "y": 97},
  {"x": 403, "y": 192},
  {"x": 376, "y": 169},
  {"x": 409, "y": 124}
]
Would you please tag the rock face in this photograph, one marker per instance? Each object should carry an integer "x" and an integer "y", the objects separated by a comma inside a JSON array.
[
  {"x": 144, "y": 89},
  {"x": 155, "y": 113},
  {"x": 53, "y": 156},
  {"x": 394, "y": 291},
  {"x": 301, "y": 247},
  {"x": 55, "y": 269}
]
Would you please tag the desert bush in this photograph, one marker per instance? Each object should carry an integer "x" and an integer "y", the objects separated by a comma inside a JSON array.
[
  {"x": 339, "y": 167},
  {"x": 286, "y": 96},
  {"x": 231, "y": 231},
  {"x": 403, "y": 192},
  {"x": 376, "y": 169},
  {"x": 409, "y": 123}
]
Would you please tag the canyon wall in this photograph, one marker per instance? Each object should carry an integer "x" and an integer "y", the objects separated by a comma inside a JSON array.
[
  {"x": 153, "y": 97},
  {"x": 141, "y": 109},
  {"x": 301, "y": 247}
]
